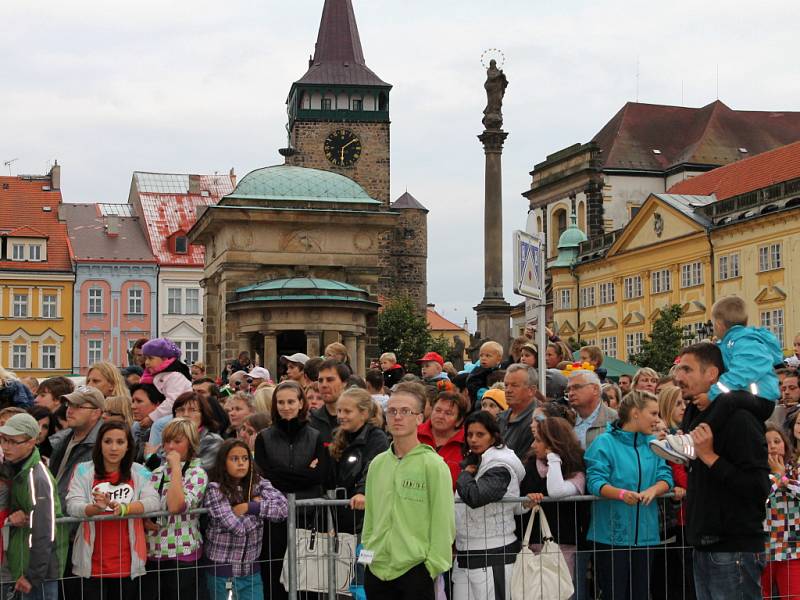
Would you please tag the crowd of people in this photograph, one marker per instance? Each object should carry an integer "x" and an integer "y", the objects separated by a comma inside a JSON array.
[{"x": 696, "y": 496}]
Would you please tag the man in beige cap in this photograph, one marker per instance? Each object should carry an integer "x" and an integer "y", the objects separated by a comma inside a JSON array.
[{"x": 37, "y": 547}]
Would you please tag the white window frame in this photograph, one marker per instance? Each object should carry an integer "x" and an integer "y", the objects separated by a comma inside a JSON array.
[
  {"x": 175, "y": 301},
  {"x": 193, "y": 352},
  {"x": 633, "y": 343},
  {"x": 19, "y": 360},
  {"x": 17, "y": 251},
  {"x": 728, "y": 266},
  {"x": 49, "y": 306},
  {"x": 632, "y": 287},
  {"x": 608, "y": 345},
  {"x": 94, "y": 351},
  {"x": 692, "y": 274},
  {"x": 45, "y": 355},
  {"x": 134, "y": 302},
  {"x": 187, "y": 300},
  {"x": 770, "y": 257},
  {"x": 35, "y": 249},
  {"x": 565, "y": 299},
  {"x": 587, "y": 296},
  {"x": 95, "y": 301},
  {"x": 608, "y": 293},
  {"x": 660, "y": 281},
  {"x": 20, "y": 306},
  {"x": 773, "y": 320}
]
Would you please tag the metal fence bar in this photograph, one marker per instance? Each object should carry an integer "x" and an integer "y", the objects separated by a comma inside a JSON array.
[
  {"x": 333, "y": 543},
  {"x": 291, "y": 545}
]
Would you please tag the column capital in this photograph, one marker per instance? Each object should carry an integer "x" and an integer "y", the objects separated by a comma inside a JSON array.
[{"x": 492, "y": 140}]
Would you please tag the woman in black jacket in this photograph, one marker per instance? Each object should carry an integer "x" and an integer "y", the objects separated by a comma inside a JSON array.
[{"x": 292, "y": 456}]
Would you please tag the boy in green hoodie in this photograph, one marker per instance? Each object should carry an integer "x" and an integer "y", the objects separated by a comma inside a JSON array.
[{"x": 409, "y": 525}]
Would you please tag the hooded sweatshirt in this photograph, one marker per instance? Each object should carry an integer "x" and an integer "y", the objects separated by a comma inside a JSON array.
[
  {"x": 409, "y": 515},
  {"x": 749, "y": 354}
]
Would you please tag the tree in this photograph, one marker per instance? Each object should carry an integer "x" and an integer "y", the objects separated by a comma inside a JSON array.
[
  {"x": 404, "y": 331},
  {"x": 665, "y": 341}
]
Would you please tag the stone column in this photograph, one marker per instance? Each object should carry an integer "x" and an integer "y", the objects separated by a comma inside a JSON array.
[
  {"x": 314, "y": 343},
  {"x": 361, "y": 353},
  {"x": 243, "y": 343},
  {"x": 270, "y": 358},
  {"x": 349, "y": 340}
]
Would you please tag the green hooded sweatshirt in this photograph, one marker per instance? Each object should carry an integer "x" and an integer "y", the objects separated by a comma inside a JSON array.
[{"x": 410, "y": 513}]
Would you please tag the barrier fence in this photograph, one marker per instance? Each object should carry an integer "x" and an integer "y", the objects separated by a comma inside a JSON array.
[{"x": 320, "y": 541}]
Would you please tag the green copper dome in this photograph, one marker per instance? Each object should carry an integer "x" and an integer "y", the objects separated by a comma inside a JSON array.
[
  {"x": 572, "y": 236},
  {"x": 282, "y": 182}
]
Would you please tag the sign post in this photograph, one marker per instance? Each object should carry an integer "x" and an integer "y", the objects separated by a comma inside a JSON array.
[{"x": 529, "y": 273}]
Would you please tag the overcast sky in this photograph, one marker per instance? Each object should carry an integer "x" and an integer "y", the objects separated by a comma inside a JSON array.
[{"x": 108, "y": 88}]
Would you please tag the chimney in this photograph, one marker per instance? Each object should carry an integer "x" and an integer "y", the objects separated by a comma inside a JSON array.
[
  {"x": 112, "y": 225},
  {"x": 194, "y": 184},
  {"x": 55, "y": 176},
  {"x": 232, "y": 175}
]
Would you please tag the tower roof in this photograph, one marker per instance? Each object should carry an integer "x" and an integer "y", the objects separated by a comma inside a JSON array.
[
  {"x": 408, "y": 201},
  {"x": 338, "y": 56}
]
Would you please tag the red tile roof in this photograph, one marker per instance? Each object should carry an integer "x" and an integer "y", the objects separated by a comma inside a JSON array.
[
  {"x": 711, "y": 135},
  {"x": 23, "y": 201},
  {"x": 750, "y": 174},
  {"x": 167, "y": 207},
  {"x": 438, "y": 323}
]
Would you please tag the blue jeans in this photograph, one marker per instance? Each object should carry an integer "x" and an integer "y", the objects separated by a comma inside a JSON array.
[
  {"x": 157, "y": 428},
  {"x": 247, "y": 587},
  {"x": 727, "y": 575},
  {"x": 47, "y": 590}
]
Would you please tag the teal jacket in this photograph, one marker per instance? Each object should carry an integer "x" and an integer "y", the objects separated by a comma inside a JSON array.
[
  {"x": 624, "y": 460},
  {"x": 38, "y": 551},
  {"x": 749, "y": 354}
]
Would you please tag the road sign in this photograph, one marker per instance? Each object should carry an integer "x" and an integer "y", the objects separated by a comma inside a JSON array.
[{"x": 528, "y": 267}]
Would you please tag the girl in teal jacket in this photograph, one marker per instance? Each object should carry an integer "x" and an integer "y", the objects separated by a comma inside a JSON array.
[{"x": 621, "y": 468}]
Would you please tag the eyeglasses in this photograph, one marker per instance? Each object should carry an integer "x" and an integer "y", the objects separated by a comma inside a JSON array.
[
  {"x": 403, "y": 412},
  {"x": 86, "y": 406},
  {"x": 6, "y": 441},
  {"x": 576, "y": 386},
  {"x": 108, "y": 413}
]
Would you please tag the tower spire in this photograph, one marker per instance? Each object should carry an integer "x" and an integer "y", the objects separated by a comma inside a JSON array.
[{"x": 338, "y": 40}]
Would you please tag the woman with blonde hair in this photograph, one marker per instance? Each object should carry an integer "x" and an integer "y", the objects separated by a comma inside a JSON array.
[
  {"x": 262, "y": 398},
  {"x": 646, "y": 380},
  {"x": 118, "y": 408},
  {"x": 107, "y": 378},
  {"x": 12, "y": 391},
  {"x": 337, "y": 351},
  {"x": 671, "y": 407}
]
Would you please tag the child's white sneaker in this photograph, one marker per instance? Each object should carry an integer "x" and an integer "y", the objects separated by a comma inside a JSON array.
[{"x": 677, "y": 448}]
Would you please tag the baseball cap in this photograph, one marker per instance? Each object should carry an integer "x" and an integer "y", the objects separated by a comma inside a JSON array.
[
  {"x": 21, "y": 424},
  {"x": 297, "y": 357},
  {"x": 85, "y": 394},
  {"x": 259, "y": 373},
  {"x": 497, "y": 396},
  {"x": 432, "y": 357}
]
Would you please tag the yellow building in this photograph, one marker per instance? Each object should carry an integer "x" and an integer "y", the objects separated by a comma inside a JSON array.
[
  {"x": 36, "y": 278},
  {"x": 733, "y": 230}
]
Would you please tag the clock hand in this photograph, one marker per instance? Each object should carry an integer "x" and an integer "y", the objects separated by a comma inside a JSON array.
[{"x": 348, "y": 143}]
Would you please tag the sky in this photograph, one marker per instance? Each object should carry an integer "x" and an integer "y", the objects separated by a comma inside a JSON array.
[{"x": 108, "y": 88}]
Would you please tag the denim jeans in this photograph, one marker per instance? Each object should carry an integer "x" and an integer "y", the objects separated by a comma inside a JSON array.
[
  {"x": 728, "y": 575},
  {"x": 47, "y": 590},
  {"x": 247, "y": 587}
]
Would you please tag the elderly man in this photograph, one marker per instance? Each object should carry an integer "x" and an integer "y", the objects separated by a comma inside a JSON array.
[
  {"x": 521, "y": 383},
  {"x": 583, "y": 391}
]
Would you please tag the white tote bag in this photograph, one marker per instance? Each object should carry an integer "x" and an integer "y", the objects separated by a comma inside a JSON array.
[
  {"x": 543, "y": 576},
  {"x": 313, "y": 549}
]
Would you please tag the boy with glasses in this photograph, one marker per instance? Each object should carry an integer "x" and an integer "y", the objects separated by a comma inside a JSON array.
[{"x": 409, "y": 525}]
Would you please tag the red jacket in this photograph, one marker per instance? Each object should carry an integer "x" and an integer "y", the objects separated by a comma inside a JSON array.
[
  {"x": 452, "y": 451},
  {"x": 681, "y": 479}
]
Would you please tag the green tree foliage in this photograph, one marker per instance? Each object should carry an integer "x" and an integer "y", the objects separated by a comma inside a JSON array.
[
  {"x": 404, "y": 331},
  {"x": 665, "y": 341}
]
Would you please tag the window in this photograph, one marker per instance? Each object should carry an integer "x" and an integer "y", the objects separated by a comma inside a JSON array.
[
  {"x": 609, "y": 346},
  {"x": 660, "y": 281},
  {"x": 587, "y": 296},
  {"x": 326, "y": 104},
  {"x": 20, "y": 305},
  {"x": 174, "y": 301},
  {"x": 633, "y": 343},
  {"x": 729, "y": 266},
  {"x": 95, "y": 351},
  {"x": 48, "y": 356},
  {"x": 773, "y": 320},
  {"x": 358, "y": 104},
  {"x": 565, "y": 299},
  {"x": 607, "y": 293},
  {"x": 191, "y": 352},
  {"x": 95, "y": 300},
  {"x": 634, "y": 210},
  {"x": 181, "y": 244},
  {"x": 633, "y": 287},
  {"x": 34, "y": 252},
  {"x": 192, "y": 301},
  {"x": 17, "y": 252},
  {"x": 769, "y": 257},
  {"x": 691, "y": 274},
  {"x": 49, "y": 306},
  {"x": 19, "y": 356},
  {"x": 135, "y": 301}
]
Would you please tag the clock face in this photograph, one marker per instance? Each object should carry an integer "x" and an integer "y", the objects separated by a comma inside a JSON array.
[{"x": 342, "y": 148}]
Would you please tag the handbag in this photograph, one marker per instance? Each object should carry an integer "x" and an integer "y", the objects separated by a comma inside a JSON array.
[
  {"x": 542, "y": 576},
  {"x": 313, "y": 550}
]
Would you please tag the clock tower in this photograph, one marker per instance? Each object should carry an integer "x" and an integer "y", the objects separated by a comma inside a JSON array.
[{"x": 339, "y": 110}]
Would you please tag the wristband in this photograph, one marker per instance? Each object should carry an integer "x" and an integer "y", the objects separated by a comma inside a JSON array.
[
  {"x": 784, "y": 480},
  {"x": 622, "y": 494},
  {"x": 123, "y": 510}
]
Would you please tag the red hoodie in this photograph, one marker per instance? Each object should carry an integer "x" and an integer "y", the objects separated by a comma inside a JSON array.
[{"x": 452, "y": 451}]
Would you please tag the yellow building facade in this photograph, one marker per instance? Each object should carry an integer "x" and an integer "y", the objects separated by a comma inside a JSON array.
[{"x": 687, "y": 250}]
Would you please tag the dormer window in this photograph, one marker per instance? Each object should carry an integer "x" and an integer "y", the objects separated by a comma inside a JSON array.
[
  {"x": 17, "y": 251},
  {"x": 35, "y": 252},
  {"x": 181, "y": 244}
]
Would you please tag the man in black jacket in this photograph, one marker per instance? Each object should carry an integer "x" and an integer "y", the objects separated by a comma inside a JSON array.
[
  {"x": 728, "y": 486},
  {"x": 331, "y": 379}
]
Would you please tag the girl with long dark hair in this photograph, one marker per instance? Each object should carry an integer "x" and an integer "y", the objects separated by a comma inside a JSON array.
[
  {"x": 110, "y": 555},
  {"x": 238, "y": 501}
]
